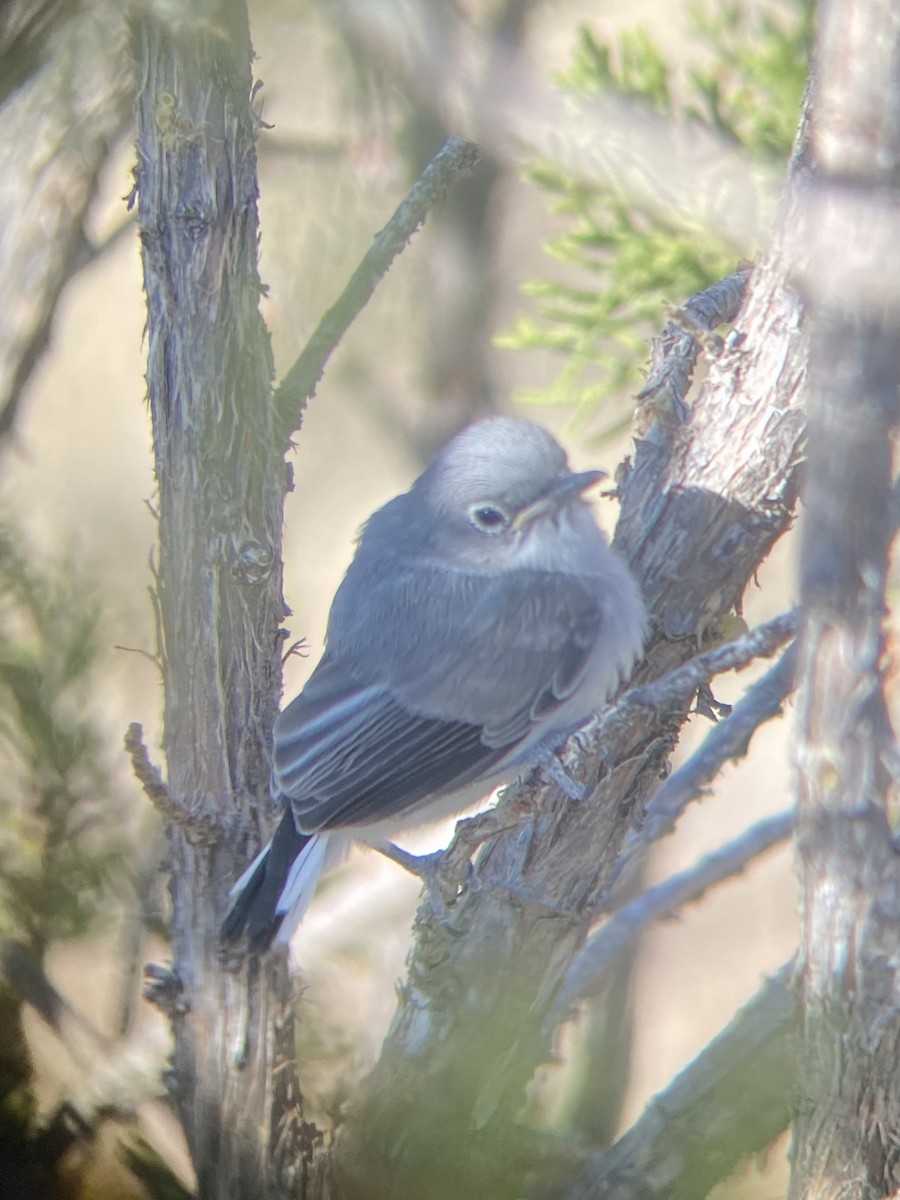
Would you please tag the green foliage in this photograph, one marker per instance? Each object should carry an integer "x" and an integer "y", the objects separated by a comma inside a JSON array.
[
  {"x": 625, "y": 262},
  {"x": 752, "y": 91},
  {"x": 57, "y": 864},
  {"x": 635, "y": 67}
]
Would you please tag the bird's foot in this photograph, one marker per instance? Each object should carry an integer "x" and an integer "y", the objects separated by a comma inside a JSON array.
[
  {"x": 448, "y": 874},
  {"x": 439, "y": 877}
]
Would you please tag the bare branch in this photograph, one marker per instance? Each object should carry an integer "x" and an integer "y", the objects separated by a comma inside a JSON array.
[
  {"x": 728, "y": 739},
  {"x": 732, "y": 1101},
  {"x": 200, "y": 827},
  {"x": 153, "y": 658},
  {"x": 587, "y": 976},
  {"x": 675, "y": 687},
  {"x": 299, "y": 385},
  {"x": 674, "y": 690}
]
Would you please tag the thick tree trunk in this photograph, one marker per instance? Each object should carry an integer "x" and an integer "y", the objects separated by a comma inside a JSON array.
[
  {"x": 222, "y": 479},
  {"x": 846, "y": 1142}
]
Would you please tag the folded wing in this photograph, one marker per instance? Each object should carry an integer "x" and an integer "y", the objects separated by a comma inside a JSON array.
[{"x": 476, "y": 676}]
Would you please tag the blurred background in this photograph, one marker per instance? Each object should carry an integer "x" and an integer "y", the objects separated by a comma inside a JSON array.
[{"x": 534, "y": 289}]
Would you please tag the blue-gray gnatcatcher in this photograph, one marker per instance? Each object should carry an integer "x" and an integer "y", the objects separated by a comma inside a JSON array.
[{"x": 484, "y": 618}]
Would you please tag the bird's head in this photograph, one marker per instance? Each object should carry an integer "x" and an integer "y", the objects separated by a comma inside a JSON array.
[{"x": 500, "y": 495}]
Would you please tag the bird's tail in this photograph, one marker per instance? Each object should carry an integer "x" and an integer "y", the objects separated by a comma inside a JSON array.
[{"x": 272, "y": 895}]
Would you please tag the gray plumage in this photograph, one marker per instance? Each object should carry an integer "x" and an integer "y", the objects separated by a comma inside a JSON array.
[{"x": 483, "y": 618}]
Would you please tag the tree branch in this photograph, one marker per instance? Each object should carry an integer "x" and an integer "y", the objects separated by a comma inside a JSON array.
[
  {"x": 732, "y": 1101},
  {"x": 299, "y": 385},
  {"x": 219, "y": 462},
  {"x": 588, "y": 974},
  {"x": 673, "y": 355},
  {"x": 676, "y": 688},
  {"x": 200, "y": 827},
  {"x": 728, "y": 739}
]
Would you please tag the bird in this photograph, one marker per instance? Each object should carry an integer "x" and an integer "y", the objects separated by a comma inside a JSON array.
[{"x": 483, "y": 619}]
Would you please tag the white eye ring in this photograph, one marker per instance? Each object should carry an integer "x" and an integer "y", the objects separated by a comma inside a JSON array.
[{"x": 488, "y": 517}]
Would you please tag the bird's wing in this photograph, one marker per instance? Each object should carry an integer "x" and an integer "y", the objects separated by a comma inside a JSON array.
[
  {"x": 346, "y": 755},
  {"x": 412, "y": 702}
]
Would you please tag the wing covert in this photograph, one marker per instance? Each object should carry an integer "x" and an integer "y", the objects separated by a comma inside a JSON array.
[
  {"x": 362, "y": 757},
  {"x": 382, "y": 726}
]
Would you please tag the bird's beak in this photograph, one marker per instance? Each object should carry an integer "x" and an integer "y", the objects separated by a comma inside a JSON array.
[{"x": 558, "y": 494}]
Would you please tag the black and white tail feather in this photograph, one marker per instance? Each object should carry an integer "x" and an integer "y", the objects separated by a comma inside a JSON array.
[{"x": 280, "y": 881}]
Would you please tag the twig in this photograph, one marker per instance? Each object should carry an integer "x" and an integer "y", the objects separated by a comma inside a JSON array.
[
  {"x": 587, "y": 976},
  {"x": 732, "y": 1101},
  {"x": 727, "y": 740},
  {"x": 200, "y": 827},
  {"x": 297, "y": 649},
  {"x": 144, "y": 654},
  {"x": 299, "y": 384},
  {"x": 672, "y": 690}
]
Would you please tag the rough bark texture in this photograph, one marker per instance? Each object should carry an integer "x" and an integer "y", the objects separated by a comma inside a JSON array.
[
  {"x": 701, "y": 507},
  {"x": 846, "y": 1141},
  {"x": 222, "y": 478}
]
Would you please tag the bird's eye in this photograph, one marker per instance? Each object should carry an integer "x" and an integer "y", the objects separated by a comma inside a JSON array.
[{"x": 488, "y": 517}]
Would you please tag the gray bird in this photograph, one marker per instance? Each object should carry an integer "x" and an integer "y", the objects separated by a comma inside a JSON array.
[{"x": 482, "y": 620}]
